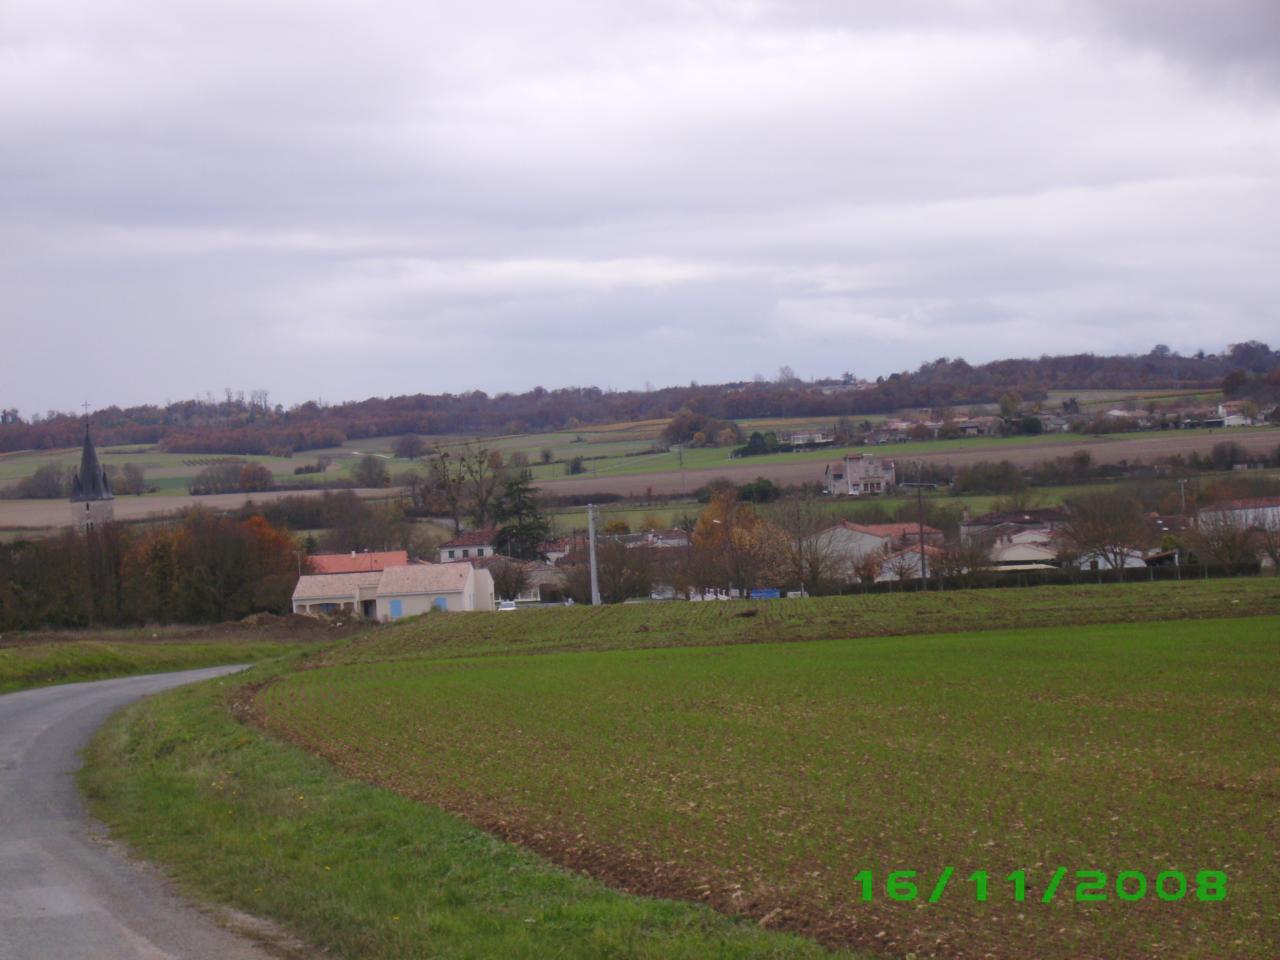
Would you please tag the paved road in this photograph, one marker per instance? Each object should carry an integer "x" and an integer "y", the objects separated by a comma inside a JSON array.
[{"x": 65, "y": 894}]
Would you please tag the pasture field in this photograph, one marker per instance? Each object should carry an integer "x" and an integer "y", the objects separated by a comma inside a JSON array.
[
  {"x": 47, "y": 657},
  {"x": 168, "y": 472},
  {"x": 712, "y": 623},
  {"x": 764, "y": 778}
]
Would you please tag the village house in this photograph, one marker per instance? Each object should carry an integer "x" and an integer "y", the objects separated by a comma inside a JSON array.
[
  {"x": 904, "y": 564},
  {"x": 985, "y": 426},
  {"x": 859, "y": 475},
  {"x": 395, "y": 591},
  {"x": 545, "y": 582},
  {"x": 1260, "y": 512},
  {"x": 475, "y": 544},
  {"x": 849, "y": 544},
  {"x": 1045, "y": 520},
  {"x": 1233, "y": 413}
]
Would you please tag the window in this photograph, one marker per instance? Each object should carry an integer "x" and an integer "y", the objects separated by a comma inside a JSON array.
[
  {"x": 397, "y": 609},
  {"x": 480, "y": 552},
  {"x": 465, "y": 554},
  {"x": 450, "y": 554}
]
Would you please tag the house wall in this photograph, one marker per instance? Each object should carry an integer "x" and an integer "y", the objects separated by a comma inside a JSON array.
[
  {"x": 327, "y": 604},
  {"x": 848, "y": 546},
  {"x": 480, "y": 591},
  {"x": 1268, "y": 516},
  {"x": 413, "y": 604},
  {"x": 466, "y": 553}
]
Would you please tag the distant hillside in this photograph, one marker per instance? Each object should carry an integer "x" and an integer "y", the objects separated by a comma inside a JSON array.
[{"x": 239, "y": 426}]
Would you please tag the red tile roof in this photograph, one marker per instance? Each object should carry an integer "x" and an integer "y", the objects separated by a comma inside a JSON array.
[
  {"x": 891, "y": 529},
  {"x": 358, "y": 562},
  {"x": 474, "y": 538}
]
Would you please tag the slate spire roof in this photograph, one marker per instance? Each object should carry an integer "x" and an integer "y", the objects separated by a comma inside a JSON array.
[{"x": 90, "y": 482}]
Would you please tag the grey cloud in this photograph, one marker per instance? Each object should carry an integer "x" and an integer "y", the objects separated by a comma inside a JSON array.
[{"x": 440, "y": 197}]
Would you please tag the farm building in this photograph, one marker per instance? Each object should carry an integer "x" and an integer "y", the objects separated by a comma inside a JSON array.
[{"x": 395, "y": 591}]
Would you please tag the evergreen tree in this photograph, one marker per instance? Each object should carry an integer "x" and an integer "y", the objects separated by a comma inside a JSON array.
[{"x": 524, "y": 528}]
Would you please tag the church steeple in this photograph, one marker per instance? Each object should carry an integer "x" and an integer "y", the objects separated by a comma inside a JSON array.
[{"x": 91, "y": 482}]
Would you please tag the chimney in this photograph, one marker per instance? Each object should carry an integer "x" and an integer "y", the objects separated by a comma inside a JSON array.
[{"x": 965, "y": 516}]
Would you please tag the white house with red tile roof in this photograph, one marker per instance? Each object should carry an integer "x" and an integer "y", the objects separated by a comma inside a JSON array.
[
  {"x": 847, "y": 543},
  {"x": 1262, "y": 512},
  {"x": 357, "y": 562},
  {"x": 473, "y": 545},
  {"x": 395, "y": 592}
]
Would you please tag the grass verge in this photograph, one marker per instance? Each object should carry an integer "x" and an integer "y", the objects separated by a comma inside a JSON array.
[
  {"x": 252, "y": 823},
  {"x": 41, "y": 659}
]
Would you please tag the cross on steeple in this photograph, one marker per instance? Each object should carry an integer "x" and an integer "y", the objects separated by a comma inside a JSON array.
[{"x": 86, "y": 409}]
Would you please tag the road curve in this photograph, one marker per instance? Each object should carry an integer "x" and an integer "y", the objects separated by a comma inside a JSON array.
[{"x": 64, "y": 892}]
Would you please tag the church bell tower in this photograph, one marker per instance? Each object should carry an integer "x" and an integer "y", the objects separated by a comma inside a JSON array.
[{"x": 92, "y": 502}]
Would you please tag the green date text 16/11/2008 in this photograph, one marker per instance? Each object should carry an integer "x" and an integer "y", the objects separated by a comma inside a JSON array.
[{"x": 1090, "y": 885}]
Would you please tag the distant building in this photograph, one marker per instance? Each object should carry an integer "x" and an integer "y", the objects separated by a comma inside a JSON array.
[
  {"x": 395, "y": 592},
  {"x": 859, "y": 475},
  {"x": 475, "y": 545},
  {"x": 1262, "y": 512},
  {"x": 1044, "y": 520},
  {"x": 92, "y": 502}
]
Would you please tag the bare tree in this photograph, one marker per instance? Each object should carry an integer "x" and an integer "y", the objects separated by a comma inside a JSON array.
[
  {"x": 1267, "y": 529},
  {"x": 965, "y": 563},
  {"x": 483, "y": 473},
  {"x": 623, "y": 574},
  {"x": 510, "y": 578},
  {"x": 904, "y": 565},
  {"x": 810, "y": 559},
  {"x": 1107, "y": 524},
  {"x": 448, "y": 480},
  {"x": 1224, "y": 538}
]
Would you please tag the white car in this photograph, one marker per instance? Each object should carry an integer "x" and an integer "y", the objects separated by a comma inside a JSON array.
[{"x": 506, "y": 605}]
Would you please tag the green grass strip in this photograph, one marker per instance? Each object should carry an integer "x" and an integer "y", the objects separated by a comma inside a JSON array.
[{"x": 42, "y": 664}]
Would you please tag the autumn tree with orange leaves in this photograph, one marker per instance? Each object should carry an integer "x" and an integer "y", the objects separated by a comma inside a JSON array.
[{"x": 734, "y": 548}]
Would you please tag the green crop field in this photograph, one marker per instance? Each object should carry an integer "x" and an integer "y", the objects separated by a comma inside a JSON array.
[
  {"x": 680, "y": 750},
  {"x": 764, "y": 778}
]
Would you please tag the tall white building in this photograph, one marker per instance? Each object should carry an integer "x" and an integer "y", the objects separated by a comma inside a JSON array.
[{"x": 860, "y": 475}]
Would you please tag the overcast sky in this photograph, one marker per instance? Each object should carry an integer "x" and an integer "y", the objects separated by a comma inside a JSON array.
[{"x": 341, "y": 200}]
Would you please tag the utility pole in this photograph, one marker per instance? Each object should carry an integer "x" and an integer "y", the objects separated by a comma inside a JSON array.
[
  {"x": 1182, "y": 489},
  {"x": 924, "y": 569},
  {"x": 591, "y": 552}
]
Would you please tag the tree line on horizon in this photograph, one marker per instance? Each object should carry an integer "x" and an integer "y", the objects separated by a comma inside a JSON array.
[{"x": 240, "y": 425}]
